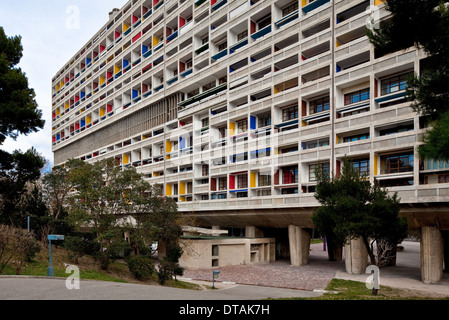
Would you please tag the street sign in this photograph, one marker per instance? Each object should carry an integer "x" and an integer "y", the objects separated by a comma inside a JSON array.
[{"x": 55, "y": 237}]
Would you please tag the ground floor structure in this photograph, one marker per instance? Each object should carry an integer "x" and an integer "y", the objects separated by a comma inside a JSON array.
[{"x": 289, "y": 233}]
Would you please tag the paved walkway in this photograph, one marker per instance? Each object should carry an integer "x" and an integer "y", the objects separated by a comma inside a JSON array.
[{"x": 319, "y": 272}]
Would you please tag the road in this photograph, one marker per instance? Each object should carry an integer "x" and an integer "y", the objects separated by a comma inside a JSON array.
[{"x": 26, "y": 288}]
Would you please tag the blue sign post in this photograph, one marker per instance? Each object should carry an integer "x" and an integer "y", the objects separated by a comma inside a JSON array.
[{"x": 50, "y": 270}]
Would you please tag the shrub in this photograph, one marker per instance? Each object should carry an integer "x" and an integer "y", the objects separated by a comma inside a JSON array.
[{"x": 142, "y": 267}]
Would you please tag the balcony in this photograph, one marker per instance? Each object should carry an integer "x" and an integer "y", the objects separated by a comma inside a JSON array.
[
  {"x": 204, "y": 95},
  {"x": 220, "y": 55},
  {"x": 286, "y": 19},
  {"x": 218, "y": 4},
  {"x": 261, "y": 32},
  {"x": 313, "y": 5}
]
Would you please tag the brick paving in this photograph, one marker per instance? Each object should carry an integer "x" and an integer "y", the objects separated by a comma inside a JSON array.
[{"x": 313, "y": 276}]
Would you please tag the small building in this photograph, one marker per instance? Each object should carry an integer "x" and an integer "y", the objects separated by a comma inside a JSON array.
[{"x": 210, "y": 251}]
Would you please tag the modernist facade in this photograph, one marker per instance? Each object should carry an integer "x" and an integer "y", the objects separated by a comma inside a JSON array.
[{"x": 232, "y": 106}]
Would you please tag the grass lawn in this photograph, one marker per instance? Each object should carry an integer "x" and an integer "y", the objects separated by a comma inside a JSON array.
[{"x": 354, "y": 290}]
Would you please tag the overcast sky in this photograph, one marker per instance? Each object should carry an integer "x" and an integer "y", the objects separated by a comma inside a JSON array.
[{"x": 52, "y": 33}]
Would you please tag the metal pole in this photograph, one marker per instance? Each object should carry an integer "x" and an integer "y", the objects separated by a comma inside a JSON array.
[{"x": 50, "y": 271}]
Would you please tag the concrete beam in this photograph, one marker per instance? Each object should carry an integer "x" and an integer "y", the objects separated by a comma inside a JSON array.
[
  {"x": 432, "y": 255},
  {"x": 299, "y": 243}
]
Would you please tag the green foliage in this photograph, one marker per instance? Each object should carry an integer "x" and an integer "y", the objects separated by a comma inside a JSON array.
[
  {"x": 19, "y": 113},
  {"x": 80, "y": 244},
  {"x": 142, "y": 267},
  {"x": 424, "y": 24},
  {"x": 17, "y": 170},
  {"x": 351, "y": 207},
  {"x": 169, "y": 266}
]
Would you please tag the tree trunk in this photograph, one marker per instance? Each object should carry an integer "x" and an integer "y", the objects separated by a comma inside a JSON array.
[{"x": 371, "y": 255}]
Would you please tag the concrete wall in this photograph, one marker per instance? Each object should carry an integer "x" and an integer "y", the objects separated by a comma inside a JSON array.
[{"x": 202, "y": 253}]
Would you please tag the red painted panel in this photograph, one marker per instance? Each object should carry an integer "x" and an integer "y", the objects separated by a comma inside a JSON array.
[{"x": 231, "y": 182}]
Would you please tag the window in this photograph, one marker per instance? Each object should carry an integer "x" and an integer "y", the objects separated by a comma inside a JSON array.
[
  {"x": 242, "y": 35},
  {"x": 204, "y": 122},
  {"x": 358, "y": 137},
  {"x": 242, "y": 194},
  {"x": 242, "y": 126},
  {"x": 443, "y": 178},
  {"x": 264, "y": 22},
  {"x": 290, "y": 8},
  {"x": 289, "y": 191},
  {"x": 362, "y": 166},
  {"x": 209, "y": 86},
  {"x": 264, "y": 180},
  {"x": 399, "y": 129},
  {"x": 394, "y": 84},
  {"x": 289, "y": 149},
  {"x": 222, "y": 46},
  {"x": 319, "y": 105},
  {"x": 205, "y": 40},
  {"x": 397, "y": 163},
  {"x": 264, "y": 120},
  {"x": 323, "y": 167},
  {"x": 205, "y": 170},
  {"x": 263, "y": 192},
  {"x": 290, "y": 113},
  {"x": 430, "y": 164},
  {"x": 242, "y": 181},
  {"x": 315, "y": 144},
  {"x": 357, "y": 96},
  {"x": 290, "y": 175},
  {"x": 222, "y": 183},
  {"x": 193, "y": 93}
]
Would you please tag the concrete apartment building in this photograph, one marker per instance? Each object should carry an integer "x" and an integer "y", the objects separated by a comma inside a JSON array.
[{"x": 231, "y": 105}]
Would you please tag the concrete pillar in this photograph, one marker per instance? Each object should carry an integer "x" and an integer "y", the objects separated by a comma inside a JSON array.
[
  {"x": 432, "y": 255},
  {"x": 299, "y": 242},
  {"x": 253, "y": 232},
  {"x": 445, "y": 234},
  {"x": 356, "y": 256}
]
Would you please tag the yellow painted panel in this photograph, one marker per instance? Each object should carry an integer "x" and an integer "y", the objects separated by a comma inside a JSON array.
[
  {"x": 304, "y": 124},
  {"x": 125, "y": 159},
  {"x": 57, "y": 87},
  {"x": 338, "y": 139},
  {"x": 338, "y": 44},
  {"x": 276, "y": 90},
  {"x": 67, "y": 105},
  {"x": 182, "y": 199},
  {"x": 155, "y": 41},
  {"x": 102, "y": 112},
  {"x": 252, "y": 179},
  {"x": 275, "y": 151},
  {"x": 378, "y": 2},
  {"x": 231, "y": 128},
  {"x": 168, "y": 190},
  {"x": 117, "y": 69},
  {"x": 304, "y": 3},
  {"x": 102, "y": 80},
  {"x": 125, "y": 27},
  {"x": 182, "y": 188},
  {"x": 155, "y": 174},
  {"x": 168, "y": 146},
  {"x": 58, "y": 112}
]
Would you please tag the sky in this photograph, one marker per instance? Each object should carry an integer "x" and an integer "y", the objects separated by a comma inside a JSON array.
[{"x": 52, "y": 33}]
